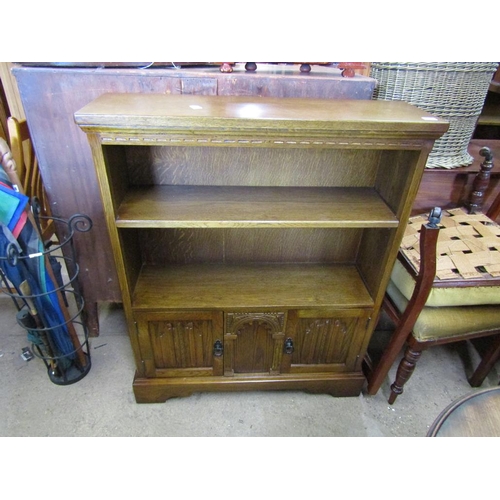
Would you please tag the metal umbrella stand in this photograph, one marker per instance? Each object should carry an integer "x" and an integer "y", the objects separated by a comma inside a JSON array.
[{"x": 49, "y": 306}]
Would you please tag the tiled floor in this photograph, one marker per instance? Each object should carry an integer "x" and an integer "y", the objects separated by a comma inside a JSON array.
[{"x": 102, "y": 404}]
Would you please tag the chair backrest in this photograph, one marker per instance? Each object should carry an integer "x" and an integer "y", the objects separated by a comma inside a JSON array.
[{"x": 28, "y": 171}]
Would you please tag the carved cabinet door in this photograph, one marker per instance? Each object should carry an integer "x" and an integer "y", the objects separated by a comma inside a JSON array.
[
  {"x": 181, "y": 344},
  {"x": 253, "y": 342},
  {"x": 324, "y": 341}
]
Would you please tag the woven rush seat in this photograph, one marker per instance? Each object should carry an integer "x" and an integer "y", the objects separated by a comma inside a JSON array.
[{"x": 468, "y": 260}]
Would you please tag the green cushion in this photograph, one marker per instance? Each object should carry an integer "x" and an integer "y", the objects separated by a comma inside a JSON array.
[
  {"x": 447, "y": 322},
  {"x": 445, "y": 297}
]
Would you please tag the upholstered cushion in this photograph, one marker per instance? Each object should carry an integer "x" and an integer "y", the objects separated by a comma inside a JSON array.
[
  {"x": 444, "y": 296},
  {"x": 446, "y": 322}
]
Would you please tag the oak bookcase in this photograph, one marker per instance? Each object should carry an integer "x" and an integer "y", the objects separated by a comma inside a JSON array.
[{"x": 254, "y": 237}]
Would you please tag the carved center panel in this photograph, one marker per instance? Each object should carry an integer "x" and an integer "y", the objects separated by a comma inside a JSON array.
[{"x": 253, "y": 342}]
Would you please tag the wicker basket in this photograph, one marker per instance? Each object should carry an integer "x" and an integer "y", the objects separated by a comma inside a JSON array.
[{"x": 454, "y": 91}]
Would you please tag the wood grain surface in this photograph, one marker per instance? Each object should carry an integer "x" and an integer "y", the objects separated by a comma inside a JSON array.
[
  {"x": 249, "y": 286},
  {"x": 233, "y": 114},
  {"x": 218, "y": 206}
]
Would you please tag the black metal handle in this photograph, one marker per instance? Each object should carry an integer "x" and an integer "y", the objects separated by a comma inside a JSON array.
[
  {"x": 218, "y": 348},
  {"x": 289, "y": 346}
]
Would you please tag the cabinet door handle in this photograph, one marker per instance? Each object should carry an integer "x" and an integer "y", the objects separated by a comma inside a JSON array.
[
  {"x": 218, "y": 348},
  {"x": 289, "y": 346}
]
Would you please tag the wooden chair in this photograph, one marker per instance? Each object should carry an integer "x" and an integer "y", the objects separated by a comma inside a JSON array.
[
  {"x": 445, "y": 285},
  {"x": 28, "y": 172}
]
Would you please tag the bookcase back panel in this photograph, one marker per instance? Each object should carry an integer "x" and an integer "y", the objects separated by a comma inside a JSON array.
[
  {"x": 184, "y": 246},
  {"x": 245, "y": 166}
]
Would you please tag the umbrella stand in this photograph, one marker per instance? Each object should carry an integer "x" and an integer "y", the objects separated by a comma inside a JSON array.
[
  {"x": 59, "y": 337},
  {"x": 30, "y": 269}
]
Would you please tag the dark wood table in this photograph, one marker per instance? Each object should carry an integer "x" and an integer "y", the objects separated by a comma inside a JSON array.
[{"x": 474, "y": 415}]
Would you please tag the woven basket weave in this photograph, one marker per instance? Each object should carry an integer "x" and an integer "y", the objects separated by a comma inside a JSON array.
[
  {"x": 468, "y": 245},
  {"x": 454, "y": 91}
]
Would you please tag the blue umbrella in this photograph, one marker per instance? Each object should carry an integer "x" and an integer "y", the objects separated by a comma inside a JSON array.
[{"x": 26, "y": 263}]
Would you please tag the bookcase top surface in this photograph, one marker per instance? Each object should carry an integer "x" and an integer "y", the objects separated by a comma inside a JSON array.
[{"x": 195, "y": 112}]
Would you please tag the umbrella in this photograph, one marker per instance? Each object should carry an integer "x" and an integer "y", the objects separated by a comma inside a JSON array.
[{"x": 29, "y": 267}]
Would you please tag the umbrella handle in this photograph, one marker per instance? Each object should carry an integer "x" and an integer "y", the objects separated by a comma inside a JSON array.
[
  {"x": 25, "y": 290},
  {"x": 9, "y": 165}
]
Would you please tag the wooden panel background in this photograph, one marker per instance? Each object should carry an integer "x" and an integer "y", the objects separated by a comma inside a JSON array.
[
  {"x": 251, "y": 166},
  {"x": 182, "y": 246}
]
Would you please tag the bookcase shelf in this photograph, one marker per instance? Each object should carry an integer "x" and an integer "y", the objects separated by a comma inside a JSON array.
[
  {"x": 252, "y": 206},
  {"x": 254, "y": 237},
  {"x": 249, "y": 286}
]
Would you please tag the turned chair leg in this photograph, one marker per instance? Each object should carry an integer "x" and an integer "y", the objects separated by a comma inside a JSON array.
[{"x": 405, "y": 370}]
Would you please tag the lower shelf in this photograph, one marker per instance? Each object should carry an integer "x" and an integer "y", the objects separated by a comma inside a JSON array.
[
  {"x": 249, "y": 286},
  {"x": 157, "y": 390}
]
